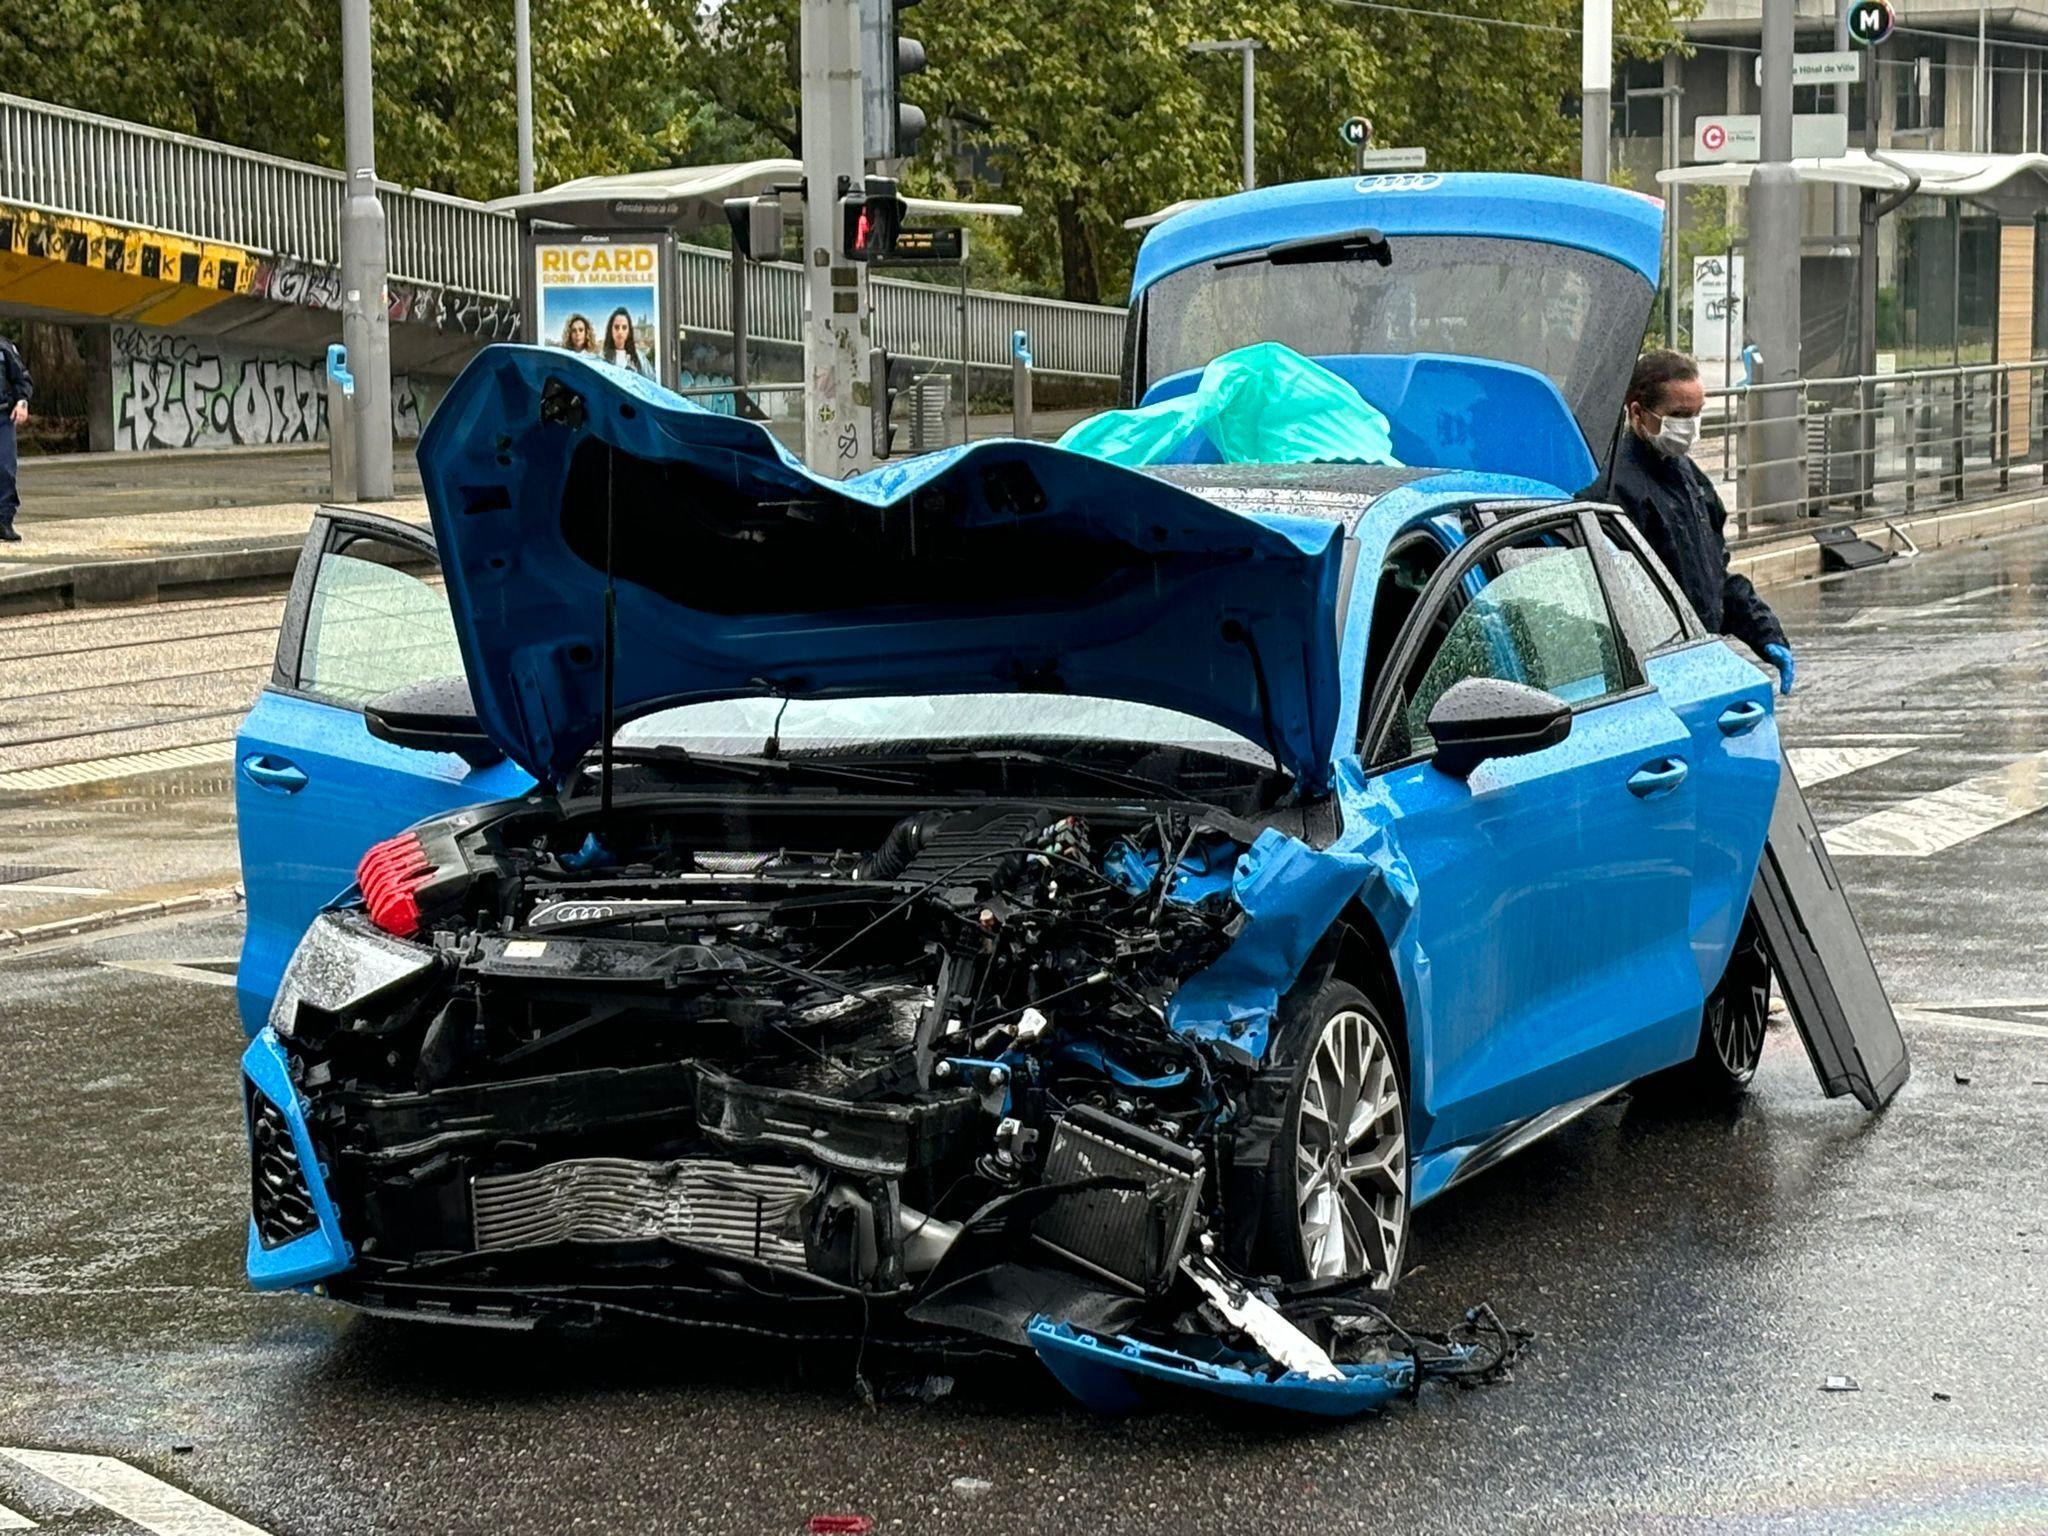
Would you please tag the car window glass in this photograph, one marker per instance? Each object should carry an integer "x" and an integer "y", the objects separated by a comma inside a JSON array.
[
  {"x": 1409, "y": 565},
  {"x": 1538, "y": 619},
  {"x": 378, "y": 619},
  {"x": 1646, "y": 614}
]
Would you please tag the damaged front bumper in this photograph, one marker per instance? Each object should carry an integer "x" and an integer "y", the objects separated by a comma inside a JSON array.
[
  {"x": 294, "y": 1232},
  {"x": 1097, "y": 1271}
]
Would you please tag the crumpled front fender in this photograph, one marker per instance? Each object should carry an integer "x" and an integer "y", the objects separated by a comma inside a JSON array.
[{"x": 1289, "y": 896}]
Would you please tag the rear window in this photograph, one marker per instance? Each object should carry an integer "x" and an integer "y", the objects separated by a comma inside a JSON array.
[{"x": 1568, "y": 314}]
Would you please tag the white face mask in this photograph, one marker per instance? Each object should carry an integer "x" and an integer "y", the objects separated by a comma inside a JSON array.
[{"x": 1676, "y": 436}]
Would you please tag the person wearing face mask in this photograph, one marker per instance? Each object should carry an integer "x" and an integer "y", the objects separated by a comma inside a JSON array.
[{"x": 1672, "y": 501}]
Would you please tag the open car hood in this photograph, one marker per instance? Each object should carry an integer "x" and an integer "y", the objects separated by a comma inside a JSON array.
[{"x": 1003, "y": 566}]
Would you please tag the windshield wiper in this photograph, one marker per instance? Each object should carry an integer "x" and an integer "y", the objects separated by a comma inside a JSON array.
[
  {"x": 764, "y": 767},
  {"x": 1358, "y": 245}
]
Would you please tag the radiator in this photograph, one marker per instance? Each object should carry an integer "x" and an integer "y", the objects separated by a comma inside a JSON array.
[
  {"x": 1132, "y": 1236},
  {"x": 744, "y": 1209}
]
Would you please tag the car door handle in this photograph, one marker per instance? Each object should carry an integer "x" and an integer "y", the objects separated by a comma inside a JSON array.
[
  {"x": 275, "y": 773},
  {"x": 1658, "y": 778},
  {"x": 1738, "y": 719}
]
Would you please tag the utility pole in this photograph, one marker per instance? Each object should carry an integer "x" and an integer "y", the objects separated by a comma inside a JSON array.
[
  {"x": 1245, "y": 47},
  {"x": 522, "y": 87},
  {"x": 1775, "y": 483},
  {"x": 365, "y": 309},
  {"x": 1980, "y": 98},
  {"x": 1842, "y": 193},
  {"x": 1596, "y": 88},
  {"x": 837, "y": 329}
]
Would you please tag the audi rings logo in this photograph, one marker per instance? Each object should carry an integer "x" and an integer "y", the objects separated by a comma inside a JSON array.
[{"x": 1406, "y": 181}]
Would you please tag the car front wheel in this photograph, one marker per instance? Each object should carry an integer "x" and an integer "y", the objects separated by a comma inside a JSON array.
[
  {"x": 1337, "y": 1183},
  {"x": 1731, "y": 1030}
]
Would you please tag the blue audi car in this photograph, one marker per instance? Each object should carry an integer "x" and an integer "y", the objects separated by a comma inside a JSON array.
[{"x": 1019, "y": 899}]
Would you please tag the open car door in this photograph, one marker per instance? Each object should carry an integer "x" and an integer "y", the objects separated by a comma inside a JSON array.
[{"x": 313, "y": 788}]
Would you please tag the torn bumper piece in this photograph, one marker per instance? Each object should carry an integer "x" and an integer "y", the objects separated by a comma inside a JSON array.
[
  {"x": 1110, "y": 1373},
  {"x": 1252, "y": 1351}
]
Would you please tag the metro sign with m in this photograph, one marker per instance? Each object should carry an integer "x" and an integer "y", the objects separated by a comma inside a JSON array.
[{"x": 1870, "y": 22}]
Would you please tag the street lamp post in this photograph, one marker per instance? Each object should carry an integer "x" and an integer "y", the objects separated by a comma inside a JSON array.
[
  {"x": 365, "y": 311},
  {"x": 522, "y": 87},
  {"x": 1245, "y": 47},
  {"x": 1596, "y": 88}
]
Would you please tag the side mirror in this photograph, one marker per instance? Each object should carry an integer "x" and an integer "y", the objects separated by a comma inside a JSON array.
[
  {"x": 434, "y": 716},
  {"x": 1485, "y": 717}
]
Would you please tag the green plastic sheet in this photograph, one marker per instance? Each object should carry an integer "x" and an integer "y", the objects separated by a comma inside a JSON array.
[{"x": 1262, "y": 404}]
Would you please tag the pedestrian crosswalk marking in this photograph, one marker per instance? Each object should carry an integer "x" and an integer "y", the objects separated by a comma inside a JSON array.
[
  {"x": 1816, "y": 765},
  {"x": 1933, "y": 823},
  {"x": 132, "y": 1494},
  {"x": 128, "y": 764},
  {"x": 2025, "y": 1018},
  {"x": 1939, "y": 608}
]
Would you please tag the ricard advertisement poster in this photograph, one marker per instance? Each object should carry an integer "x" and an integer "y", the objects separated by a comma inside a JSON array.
[{"x": 603, "y": 296}]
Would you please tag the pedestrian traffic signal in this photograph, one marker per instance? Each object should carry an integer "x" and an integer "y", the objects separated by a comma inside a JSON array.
[
  {"x": 870, "y": 219},
  {"x": 892, "y": 125}
]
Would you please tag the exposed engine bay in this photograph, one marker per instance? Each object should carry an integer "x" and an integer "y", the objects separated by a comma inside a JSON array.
[{"x": 920, "y": 1059}]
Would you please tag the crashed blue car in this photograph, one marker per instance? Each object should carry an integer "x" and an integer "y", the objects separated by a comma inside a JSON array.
[{"x": 1005, "y": 898}]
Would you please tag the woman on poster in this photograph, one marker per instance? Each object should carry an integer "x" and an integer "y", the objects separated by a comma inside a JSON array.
[
  {"x": 577, "y": 335},
  {"x": 621, "y": 349}
]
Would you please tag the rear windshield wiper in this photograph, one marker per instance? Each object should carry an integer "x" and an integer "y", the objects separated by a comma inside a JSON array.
[{"x": 1359, "y": 245}]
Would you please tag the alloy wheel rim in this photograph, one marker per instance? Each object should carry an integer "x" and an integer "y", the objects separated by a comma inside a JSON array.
[
  {"x": 1736, "y": 1018},
  {"x": 1351, "y": 1156}
]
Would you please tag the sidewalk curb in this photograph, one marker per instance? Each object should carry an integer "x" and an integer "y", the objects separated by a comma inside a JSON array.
[
  {"x": 1796, "y": 558},
  {"x": 265, "y": 566},
  {"x": 91, "y": 922}
]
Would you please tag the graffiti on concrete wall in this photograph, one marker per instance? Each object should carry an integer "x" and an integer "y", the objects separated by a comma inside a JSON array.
[
  {"x": 175, "y": 391},
  {"x": 314, "y": 285}
]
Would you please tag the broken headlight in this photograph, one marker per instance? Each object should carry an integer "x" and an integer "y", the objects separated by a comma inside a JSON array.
[{"x": 342, "y": 964}]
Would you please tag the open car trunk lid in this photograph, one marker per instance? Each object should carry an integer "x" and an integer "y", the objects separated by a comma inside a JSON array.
[{"x": 1000, "y": 567}]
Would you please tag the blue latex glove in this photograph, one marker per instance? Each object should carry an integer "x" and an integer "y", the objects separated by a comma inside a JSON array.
[{"x": 1780, "y": 656}]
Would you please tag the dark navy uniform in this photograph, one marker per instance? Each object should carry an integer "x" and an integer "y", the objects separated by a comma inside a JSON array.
[
  {"x": 15, "y": 387},
  {"x": 1679, "y": 512}
]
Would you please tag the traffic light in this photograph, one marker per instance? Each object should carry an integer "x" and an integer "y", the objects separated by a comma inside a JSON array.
[
  {"x": 892, "y": 125},
  {"x": 888, "y": 377},
  {"x": 756, "y": 226},
  {"x": 870, "y": 219}
]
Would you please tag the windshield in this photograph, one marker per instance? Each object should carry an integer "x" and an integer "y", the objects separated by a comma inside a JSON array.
[
  {"x": 741, "y": 726},
  {"x": 1570, "y": 315}
]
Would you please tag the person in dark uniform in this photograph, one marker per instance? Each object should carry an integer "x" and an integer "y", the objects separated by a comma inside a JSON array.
[
  {"x": 1672, "y": 501},
  {"x": 15, "y": 389}
]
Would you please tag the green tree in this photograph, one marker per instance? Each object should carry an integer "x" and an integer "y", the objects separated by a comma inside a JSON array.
[{"x": 268, "y": 76}]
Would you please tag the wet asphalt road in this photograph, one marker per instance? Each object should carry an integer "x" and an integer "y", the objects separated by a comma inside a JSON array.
[{"x": 1693, "y": 1282}]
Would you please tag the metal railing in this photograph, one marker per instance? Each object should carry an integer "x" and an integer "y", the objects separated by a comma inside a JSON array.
[
  {"x": 1878, "y": 445},
  {"x": 913, "y": 320},
  {"x": 82, "y": 165},
  {"x": 88, "y": 166}
]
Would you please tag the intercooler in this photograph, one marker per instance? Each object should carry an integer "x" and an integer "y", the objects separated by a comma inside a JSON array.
[
  {"x": 1135, "y": 1234},
  {"x": 747, "y": 1210}
]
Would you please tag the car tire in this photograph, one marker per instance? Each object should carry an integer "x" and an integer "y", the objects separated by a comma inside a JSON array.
[
  {"x": 1731, "y": 1030},
  {"x": 1337, "y": 1178}
]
